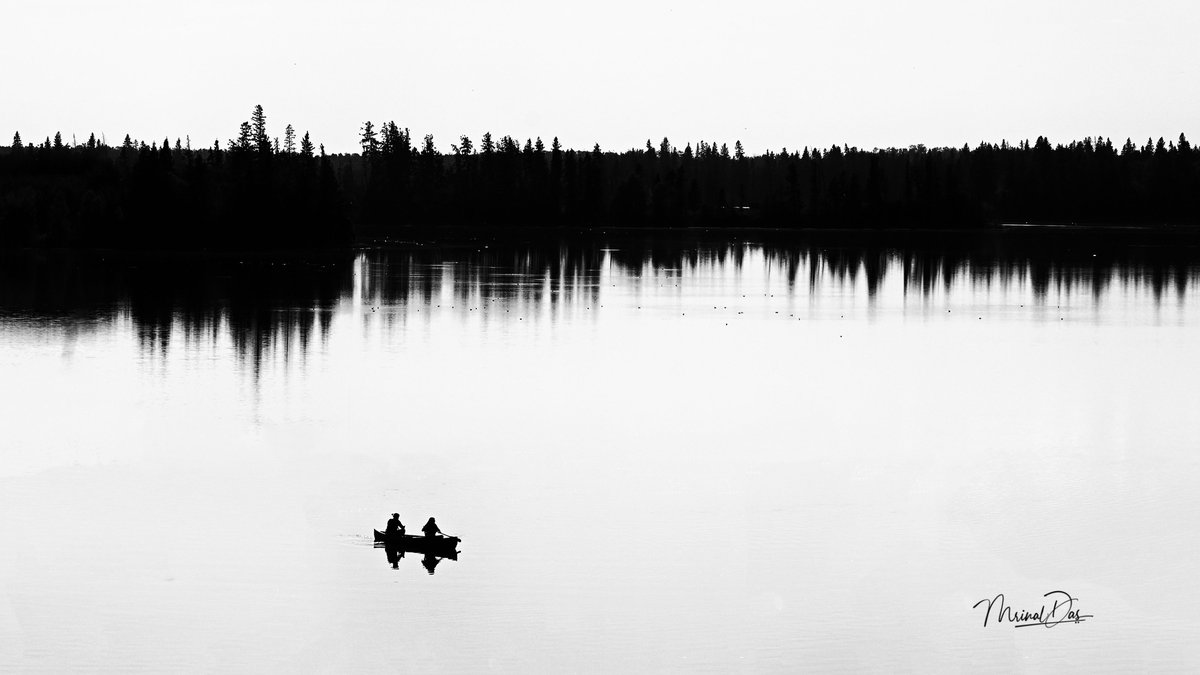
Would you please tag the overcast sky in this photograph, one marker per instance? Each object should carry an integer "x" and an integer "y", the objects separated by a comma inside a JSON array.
[{"x": 773, "y": 74}]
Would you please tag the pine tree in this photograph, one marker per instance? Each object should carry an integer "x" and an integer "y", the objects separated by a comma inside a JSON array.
[
  {"x": 245, "y": 138},
  {"x": 58, "y": 140},
  {"x": 306, "y": 146},
  {"x": 369, "y": 140},
  {"x": 395, "y": 142},
  {"x": 739, "y": 153},
  {"x": 464, "y": 147},
  {"x": 259, "y": 130},
  {"x": 289, "y": 140},
  {"x": 17, "y": 145}
]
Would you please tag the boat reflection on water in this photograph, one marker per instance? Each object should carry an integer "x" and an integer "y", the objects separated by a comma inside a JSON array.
[
  {"x": 394, "y": 555},
  {"x": 430, "y": 561},
  {"x": 435, "y": 549}
]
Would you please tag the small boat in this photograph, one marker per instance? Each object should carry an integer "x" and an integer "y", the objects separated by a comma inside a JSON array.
[{"x": 445, "y": 547}]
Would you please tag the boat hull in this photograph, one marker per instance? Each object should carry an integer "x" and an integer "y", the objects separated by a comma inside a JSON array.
[{"x": 445, "y": 547}]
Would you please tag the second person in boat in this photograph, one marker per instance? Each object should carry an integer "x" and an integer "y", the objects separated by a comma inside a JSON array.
[{"x": 431, "y": 528}]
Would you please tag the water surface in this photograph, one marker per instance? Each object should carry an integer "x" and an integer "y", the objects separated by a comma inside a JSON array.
[{"x": 662, "y": 453}]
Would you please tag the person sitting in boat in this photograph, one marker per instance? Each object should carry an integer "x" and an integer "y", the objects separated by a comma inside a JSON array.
[
  {"x": 394, "y": 526},
  {"x": 431, "y": 528}
]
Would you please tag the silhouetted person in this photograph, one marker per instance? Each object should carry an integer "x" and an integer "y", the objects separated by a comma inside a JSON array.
[
  {"x": 394, "y": 526},
  {"x": 431, "y": 529},
  {"x": 430, "y": 561}
]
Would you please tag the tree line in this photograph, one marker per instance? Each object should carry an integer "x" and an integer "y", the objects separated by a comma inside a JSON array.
[{"x": 260, "y": 191}]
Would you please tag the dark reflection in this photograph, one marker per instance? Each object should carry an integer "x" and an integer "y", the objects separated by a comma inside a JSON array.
[
  {"x": 434, "y": 548},
  {"x": 394, "y": 554},
  {"x": 258, "y": 304},
  {"x": 275, "y": 307}
]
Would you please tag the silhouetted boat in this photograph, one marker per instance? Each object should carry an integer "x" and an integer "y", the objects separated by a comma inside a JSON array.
[{"x": 445, "y": 547}]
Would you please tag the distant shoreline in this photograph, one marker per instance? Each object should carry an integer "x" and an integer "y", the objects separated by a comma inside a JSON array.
[{"x": 257, "y": 193}]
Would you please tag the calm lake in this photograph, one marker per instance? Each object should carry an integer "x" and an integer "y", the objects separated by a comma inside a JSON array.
[{"x": 672, "y": 452}]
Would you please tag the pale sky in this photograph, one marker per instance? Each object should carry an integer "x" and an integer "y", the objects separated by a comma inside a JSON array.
[{"x": 773, "y": 74}]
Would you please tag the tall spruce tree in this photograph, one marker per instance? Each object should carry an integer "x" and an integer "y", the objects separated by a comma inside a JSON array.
[
  {"x": 245, "y": 139},
  {"x": 258, "y": 129},
  {"x": 369, "y": 139}
]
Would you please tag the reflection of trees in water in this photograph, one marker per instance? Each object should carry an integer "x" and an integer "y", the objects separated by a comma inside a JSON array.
[
  {"x": 263, "y": 306},
  {"x": 532, "y": 274},
  {"x": 276, "y": 307},
  {"x": 260, "y": 304}
]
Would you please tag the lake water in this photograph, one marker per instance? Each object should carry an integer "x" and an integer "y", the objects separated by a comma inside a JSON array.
[{"x": 669, "y": 453}]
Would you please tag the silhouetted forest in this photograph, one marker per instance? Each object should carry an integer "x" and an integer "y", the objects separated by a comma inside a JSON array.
[{"x": 257, "y": 191}]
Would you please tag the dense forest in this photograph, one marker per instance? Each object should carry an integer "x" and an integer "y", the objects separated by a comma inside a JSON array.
[{"x": 258, "y": 191}]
